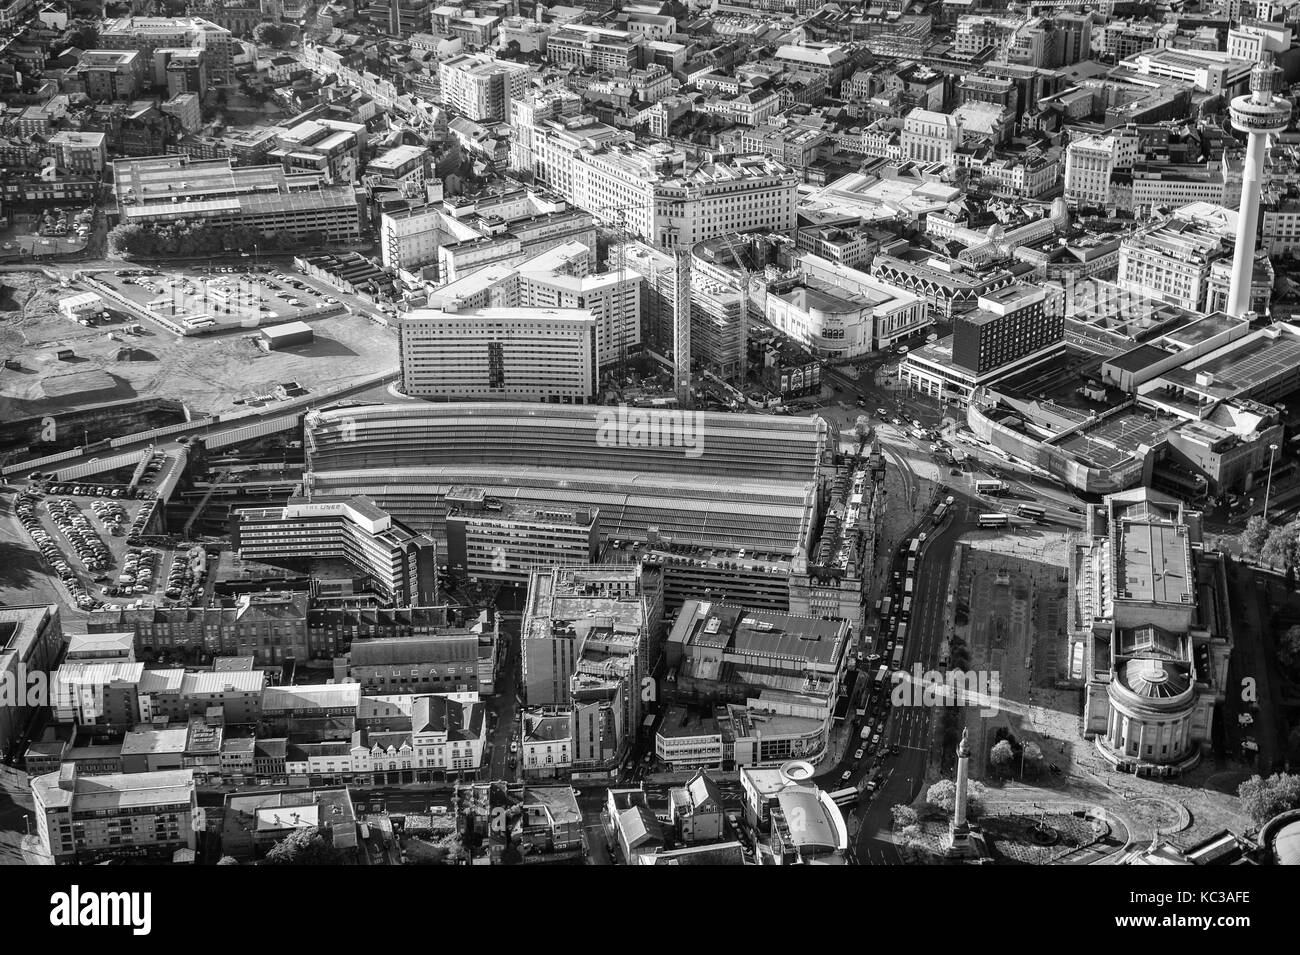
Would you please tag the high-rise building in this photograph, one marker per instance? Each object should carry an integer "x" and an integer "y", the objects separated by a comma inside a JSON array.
[
  {"x": 1010, "y": 324},
  {"x": 481, "y": 87},
  {"x": 560, "y": 277},
  {"x": 531, "y": 354}
]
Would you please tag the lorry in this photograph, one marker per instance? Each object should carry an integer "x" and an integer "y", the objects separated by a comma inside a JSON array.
[{"x": 898, "y": 656}]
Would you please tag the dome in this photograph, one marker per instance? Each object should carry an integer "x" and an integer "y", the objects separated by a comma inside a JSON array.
[
  {"x": 1155, "y": 679},
  {"x": 1286, "y": 844}
]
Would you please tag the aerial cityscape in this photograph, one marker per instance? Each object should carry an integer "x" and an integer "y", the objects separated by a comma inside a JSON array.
[{"x": 752, "y": 433}]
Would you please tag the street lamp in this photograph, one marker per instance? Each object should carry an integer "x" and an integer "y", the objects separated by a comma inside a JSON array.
[{"x": 1268, "y": 487}]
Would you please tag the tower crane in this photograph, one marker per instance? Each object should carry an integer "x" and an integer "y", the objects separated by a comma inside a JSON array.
[{"x": 681, "y": 297}]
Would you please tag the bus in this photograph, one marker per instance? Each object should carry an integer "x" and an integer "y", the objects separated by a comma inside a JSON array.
[
  {"x": 914, "y": 548},
  {"x": 898, "y": 657},
  {"x": 993, "y": 520},
  {"x": 907, "y": 587},
  {"x": 881, "y": 674},
  {"x": 911, "y": 565},
  {"x": 989, "y": 487},
  {"x": 939, "y": 512},
  {"x": 907, "y": 608},
  {"x": 845, "y": 797},
  {"x": 1034, "y": 511},
  {"x": 885, "y": 606}
]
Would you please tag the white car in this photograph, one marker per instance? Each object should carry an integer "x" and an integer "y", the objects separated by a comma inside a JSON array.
[{"x": 858, "y": 754}]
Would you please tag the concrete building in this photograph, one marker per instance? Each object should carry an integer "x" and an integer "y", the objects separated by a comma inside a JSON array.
[
  {"x": 1157, "y": 640},
  {"x": 654, "y": 193},
  {"x": 438, "y": 659},
  {"x": 643, "y": 468},
  {"x": 491, "y": 540},
  {"x": 560, "y": 277},
  {"x": 111, "y": 74},
  {"x": 137, "y": 815},
  {"x": 590, "y": 47},
  {"x": 217, "y": 193},
  {"x": 930, "y": 137},
  {"x": 400, "y": 564},
  {"x": 31, "y": 641},
  {"x": 1009, "y": 325},
  {"x": 150, "y": 34},
  {"x": 562, "y": 604},
  {"x": 481, "y": 87},
  {"x": 840, "y": 312},
  {"x": 774, "y": 797},
  {"x": 531, "y": 354},
  {"x": 1090, "y": 162},
  {"x": 783, "y": 665},
  {"x": 1171, "y": 258}
]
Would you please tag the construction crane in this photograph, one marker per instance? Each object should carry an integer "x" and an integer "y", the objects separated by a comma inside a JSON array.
[
  {"x": 746, "y": 275},
  {"x": 681, "y": 298}
]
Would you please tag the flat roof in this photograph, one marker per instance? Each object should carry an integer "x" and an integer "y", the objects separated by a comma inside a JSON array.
[{"x": 1154, "y": 562}]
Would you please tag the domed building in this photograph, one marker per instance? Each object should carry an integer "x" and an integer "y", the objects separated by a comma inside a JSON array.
[
  {"x": 1280, "y": 838},
  {"x": 1152, "y": 631}
]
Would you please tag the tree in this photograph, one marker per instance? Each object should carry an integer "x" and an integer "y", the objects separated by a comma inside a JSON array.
[
  {"x": 864, "y": 431},
  {"x": 272, "y": 34},
  {"x": 943, "y": 796},
  {"x": 304, "y": 847},
  {"x": 83, "y": 34},
  {"x": 1288, "y": 649},
  {"x": 132, "y": 240},
  {"x": 903, "y": 815},
  {"x": 1253, "y": 537},
  {"x": 1282, "y": 546},
  {"x": 1033, "y": 758},
  {"x": 1263, "y": 798},
  {"x": 1001, "y": 755}
]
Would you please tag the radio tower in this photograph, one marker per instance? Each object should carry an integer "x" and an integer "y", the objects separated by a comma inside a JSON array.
[{"x": 1257, "y": 115}]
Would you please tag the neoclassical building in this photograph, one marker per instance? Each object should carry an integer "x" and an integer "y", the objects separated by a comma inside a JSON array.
[{"x": 1152, "y": 632}]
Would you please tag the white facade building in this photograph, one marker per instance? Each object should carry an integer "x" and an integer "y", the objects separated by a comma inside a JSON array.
[{"x": 532, "y": 354}]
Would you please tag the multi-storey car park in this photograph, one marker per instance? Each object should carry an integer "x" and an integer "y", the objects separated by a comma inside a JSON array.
[{"x": 719, "y": 480}]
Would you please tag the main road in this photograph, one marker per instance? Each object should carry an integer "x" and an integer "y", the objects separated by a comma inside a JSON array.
[{"x": 910, "y": 725}]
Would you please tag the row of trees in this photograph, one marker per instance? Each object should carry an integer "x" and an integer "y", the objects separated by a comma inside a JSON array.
[
  {"x": 195, "y": 238},
  {"x": 1277, "y": 545}
]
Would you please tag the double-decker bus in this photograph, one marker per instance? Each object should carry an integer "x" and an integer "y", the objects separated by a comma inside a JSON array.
[
  {"x": 1033, "y": 511},
  {"x": 989, "y": 486},
  {"x": 993, "y": 520}
]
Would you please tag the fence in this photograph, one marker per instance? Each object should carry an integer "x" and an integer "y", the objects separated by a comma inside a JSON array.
[
  {"x": 238, "y": 435},
  {"x": 100, "y": 465}
]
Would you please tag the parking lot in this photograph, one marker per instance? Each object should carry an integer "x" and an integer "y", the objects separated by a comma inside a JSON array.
[
  {"x": 86, "y": 536},
  {"x": 221, "y": 298},
  {"x": 134, "y": 357}
]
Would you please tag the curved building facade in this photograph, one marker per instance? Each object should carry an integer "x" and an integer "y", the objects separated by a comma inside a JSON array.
[
  {"x": 1082, "y": 475},
  {"x": 1151, "y": 708},
  {"x": 735, "y": 481}
]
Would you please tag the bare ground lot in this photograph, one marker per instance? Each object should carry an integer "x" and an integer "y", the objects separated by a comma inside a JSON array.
[{"x": 205, "y": 372}]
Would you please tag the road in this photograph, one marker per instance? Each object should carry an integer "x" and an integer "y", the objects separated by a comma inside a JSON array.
[{"x": 910, "y": 724}]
